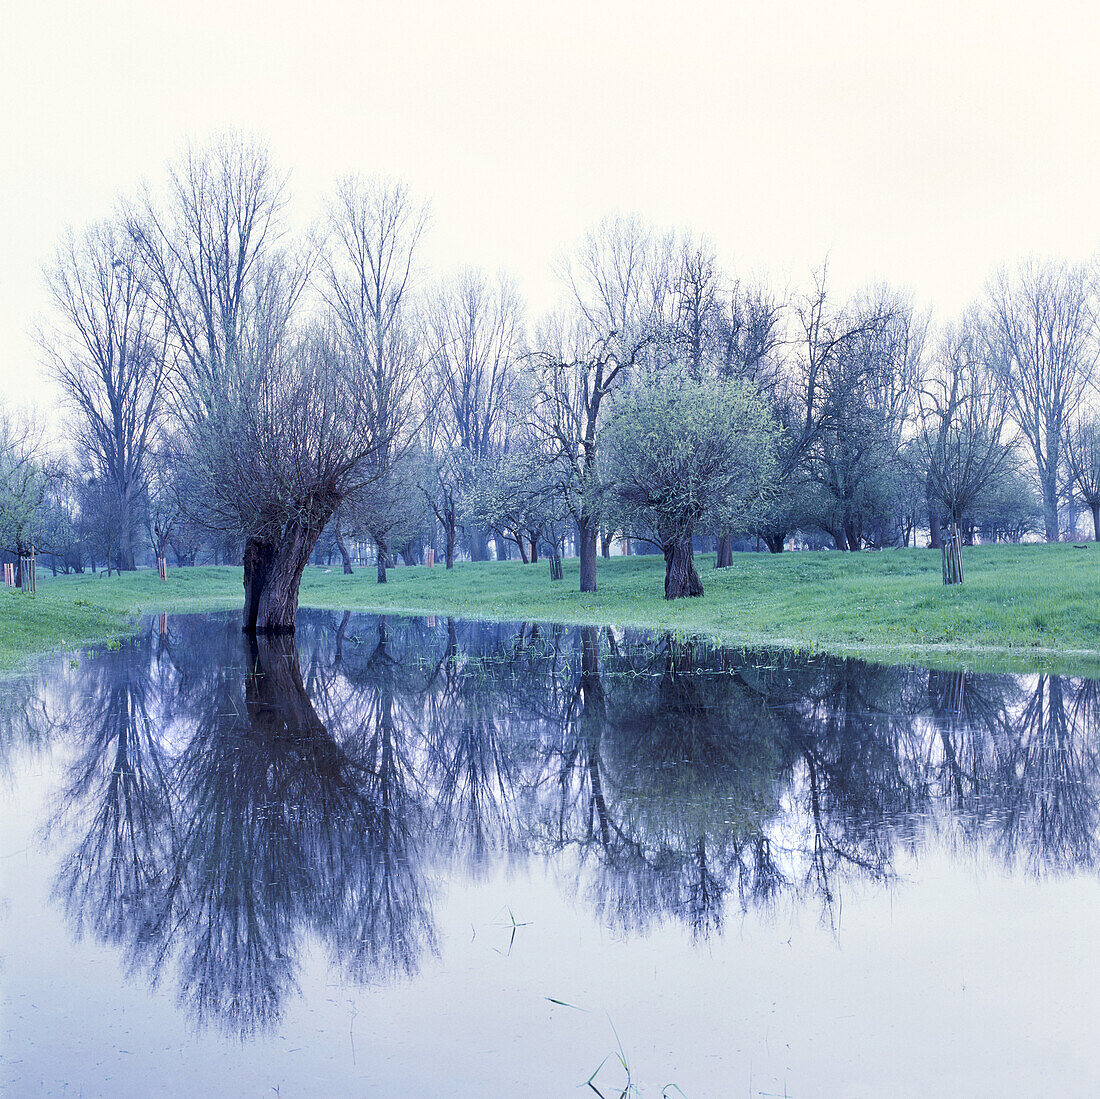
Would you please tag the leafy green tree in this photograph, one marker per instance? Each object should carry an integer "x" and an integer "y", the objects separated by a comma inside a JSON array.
[
  {"x": 684, "y": 454},
  {"x": 25, "y": 477}
]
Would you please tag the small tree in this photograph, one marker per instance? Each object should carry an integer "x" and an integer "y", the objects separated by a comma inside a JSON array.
[
  {"x": 964, "y": 412},
  {"x": 683, "y": 454},
  {"x": 1083, "y": 459},
  {"x": 108, "y": 352},
  {"x": 25, "y": 477}
]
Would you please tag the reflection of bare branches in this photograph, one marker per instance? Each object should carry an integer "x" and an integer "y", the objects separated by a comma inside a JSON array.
[
  {"x": 119, "y": 797},
  {"x": 225, "y": 805},
  {"x": 1046, "y": 771}
]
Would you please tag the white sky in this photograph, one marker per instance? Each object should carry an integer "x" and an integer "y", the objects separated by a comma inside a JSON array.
[{"x": 923, "y": 143}]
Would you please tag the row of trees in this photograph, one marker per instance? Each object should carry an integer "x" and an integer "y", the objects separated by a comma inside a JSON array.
[{"x": 236, "y": 388}]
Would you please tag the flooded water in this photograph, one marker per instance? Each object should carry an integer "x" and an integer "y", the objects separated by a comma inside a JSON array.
[{"x": 426, "y": 857}]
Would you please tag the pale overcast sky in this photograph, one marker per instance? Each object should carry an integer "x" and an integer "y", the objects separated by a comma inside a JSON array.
[{"x": 921, "y": 143}]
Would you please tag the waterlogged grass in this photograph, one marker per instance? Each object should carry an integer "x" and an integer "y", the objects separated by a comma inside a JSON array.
[
  {"x": 1021, "y": 608},
  {"x": 72, "y": 611}
]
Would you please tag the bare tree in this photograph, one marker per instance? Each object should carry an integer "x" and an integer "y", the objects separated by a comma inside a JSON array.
[
  {"x": 963, "y": 429},
  {"x": 1083, "y": 461},
  {"x": 277, "y": 423},
  {"x": 109, "y": 354},
  {"x": 366, "y": 277},
  {"x": 855, "y": 375},
  {"x": 475, "y": 330},
  {"x": 1041, "y": 329},
  {"x": 584, "y": 357}
]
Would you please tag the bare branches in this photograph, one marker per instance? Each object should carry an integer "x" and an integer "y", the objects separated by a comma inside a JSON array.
[
  {"x": 109, "y": 353},
  {"x": 963, "y": 423},
  {"x": 1042, "y": 335}
]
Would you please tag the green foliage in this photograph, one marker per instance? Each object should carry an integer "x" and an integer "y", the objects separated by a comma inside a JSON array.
[{"x": 684, "y": 454}]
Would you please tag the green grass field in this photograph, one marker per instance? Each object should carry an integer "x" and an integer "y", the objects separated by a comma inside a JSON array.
[{"x": 1021, "y": 608}]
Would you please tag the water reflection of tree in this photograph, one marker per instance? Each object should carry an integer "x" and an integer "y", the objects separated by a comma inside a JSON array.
[
  {"x": 227, "y": 806},
  {"x": 121, "y": 776}
]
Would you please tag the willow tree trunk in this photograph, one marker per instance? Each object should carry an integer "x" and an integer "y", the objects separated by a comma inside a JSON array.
[
  {"x": 258, "y": 557},
  {"x": 278, "y": 607},
  {"x": 479, "y": 549},
  {"x": 586, "y": 549},
  {"x": 681, "y": 579},
  {"x": 451, "y": 535},
  {"x": 725, "y": 551},
  {"x": 380, "y": 552},
  {"x": 1095, "y": 509},
  {"x": 342, "y": 546}
]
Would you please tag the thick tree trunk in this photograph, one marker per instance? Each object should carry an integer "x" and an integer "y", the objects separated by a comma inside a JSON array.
[
  {"x": 1050, "y": 508},
  {"x": 605, "y": 544},
  {"x": 724, "y": 549},
  {"x": 479, "y": 550},
  {"x": 681, "y": 579},
  {"x": 522, "y": 549},
  {"x": 775, "y": 540},
  {"x": 278, "y": 601},
  {"x": 534, "y": 549},
  {"x": 586, "y": 549},
  {"x": 1095, "y": 509},
  {"x": 855, "y": 542},
  {"x": 935, "y": 527},
  {"x": 258, "y": 558}
]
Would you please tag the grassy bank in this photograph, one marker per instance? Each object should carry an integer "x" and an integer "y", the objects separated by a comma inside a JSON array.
[{"x": 1022, "y": 607}]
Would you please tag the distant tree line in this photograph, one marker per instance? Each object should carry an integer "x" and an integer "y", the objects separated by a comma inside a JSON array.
[{"x": 239, "y": 392}]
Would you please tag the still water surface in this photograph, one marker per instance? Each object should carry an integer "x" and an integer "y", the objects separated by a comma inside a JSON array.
[{"x": 427, "y": 857}]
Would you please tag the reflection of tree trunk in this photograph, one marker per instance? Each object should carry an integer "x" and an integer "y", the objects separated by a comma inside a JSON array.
[
  {"x": 592, "y": 719},
  {"x": 340, "y": 631},
  {"x": 681, "y": 579},
  {"x": 725, "y": 551},
  {"x": 586, "y": 548}
]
